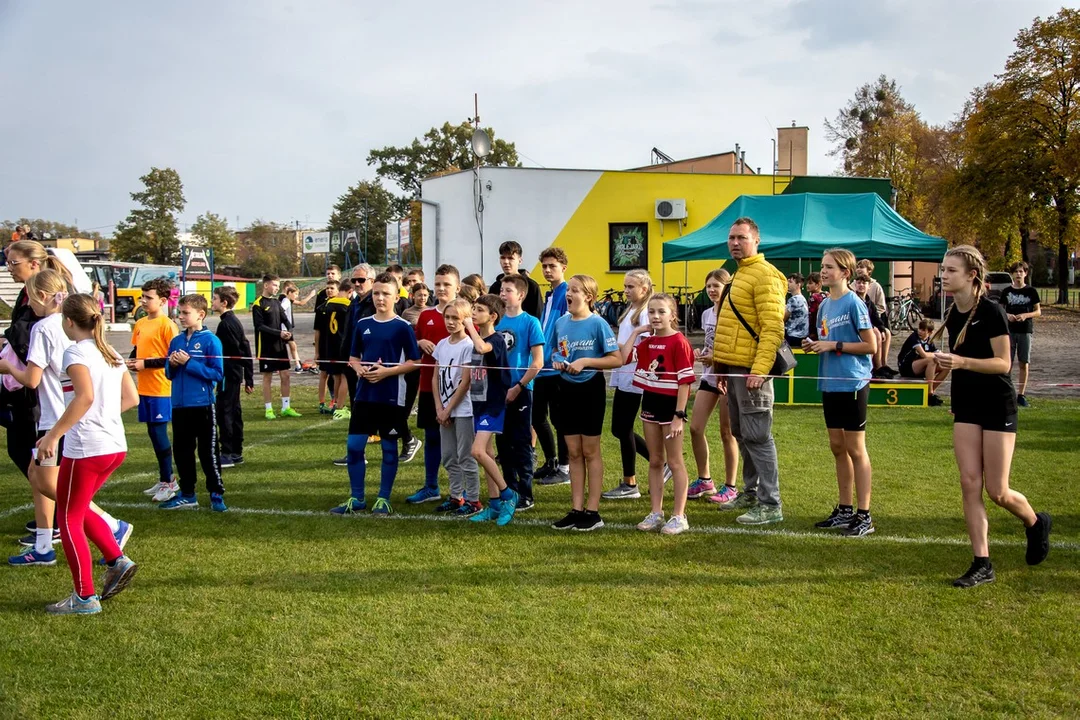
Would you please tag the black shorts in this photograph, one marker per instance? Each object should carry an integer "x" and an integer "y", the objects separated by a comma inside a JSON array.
[
  {"x": 657, "y": 408},
  {"x": 993, "y": 419},
  {"x": 845, "y": 410},
  {"x": 387, "y": 421},
  {"x": 706, "y": 387},
  {"x": 273, "y": 356},
  {"x": 331, "y": 368},
  {"x": 425, "y": 411},
  {"x": 907, "y": 371},
  {"x": 272, "y": 366},
  {"x": 582, "y": 406},
  {"x": 55, "y": 459}
]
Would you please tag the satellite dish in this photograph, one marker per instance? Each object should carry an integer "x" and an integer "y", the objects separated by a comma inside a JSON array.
[{"x": 481, "y": 143}]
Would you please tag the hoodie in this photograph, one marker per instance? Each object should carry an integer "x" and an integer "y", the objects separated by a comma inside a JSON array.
[{"x": 193, "y": 383}]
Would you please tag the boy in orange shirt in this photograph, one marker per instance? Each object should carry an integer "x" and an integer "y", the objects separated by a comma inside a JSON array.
[{"x": 149, "y": 353}]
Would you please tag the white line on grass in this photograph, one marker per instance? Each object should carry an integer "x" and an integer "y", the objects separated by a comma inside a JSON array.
[{"x": 698, "y": 530}]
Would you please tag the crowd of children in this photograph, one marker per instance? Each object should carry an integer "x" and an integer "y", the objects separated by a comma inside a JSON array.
[{"x": 487, "y": 368}]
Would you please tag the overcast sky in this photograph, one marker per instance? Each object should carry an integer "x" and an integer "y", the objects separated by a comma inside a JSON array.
[{"x": 268, "y": 109}]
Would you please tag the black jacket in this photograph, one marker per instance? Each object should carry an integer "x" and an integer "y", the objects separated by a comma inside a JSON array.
[
  {"x": 358, "y": 310},
  {"x": 234, "y": 342},
  {"x": 23, "y": 402},
  {"x": 534, "y": 299}
]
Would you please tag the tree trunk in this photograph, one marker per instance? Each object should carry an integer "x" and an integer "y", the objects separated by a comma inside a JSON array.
[
  {"x": 1025, "y": 237},
  {"x": 1063, "y": 251}
]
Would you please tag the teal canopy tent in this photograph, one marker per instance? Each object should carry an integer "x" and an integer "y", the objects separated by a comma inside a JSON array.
[{"x": 805, "y": 225}]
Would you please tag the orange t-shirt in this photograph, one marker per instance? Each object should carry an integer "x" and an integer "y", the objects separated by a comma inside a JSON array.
[{"x": 151, "y": 338}]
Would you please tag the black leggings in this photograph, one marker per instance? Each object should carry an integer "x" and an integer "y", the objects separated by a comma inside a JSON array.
[
  {"x": 624, "y": 412},
  {"x": 545, "y": 403},
  {"x": 21, "y": 438}
]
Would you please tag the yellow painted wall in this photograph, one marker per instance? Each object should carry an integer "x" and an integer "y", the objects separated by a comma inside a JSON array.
[{"x": 628, "y": 197}]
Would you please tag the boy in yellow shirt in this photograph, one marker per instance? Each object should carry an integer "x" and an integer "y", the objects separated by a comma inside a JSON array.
[{"x": 149, "y": 353}]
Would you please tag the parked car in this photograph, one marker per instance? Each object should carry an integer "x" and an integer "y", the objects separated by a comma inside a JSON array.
[{"x": 997, "y": 283}]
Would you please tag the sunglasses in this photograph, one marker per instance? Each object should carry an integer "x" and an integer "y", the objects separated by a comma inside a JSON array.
[{"x": 359, "y": 281}]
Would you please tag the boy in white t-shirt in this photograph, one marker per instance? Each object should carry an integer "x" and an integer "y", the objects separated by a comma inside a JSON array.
[
  {"x": 453, "y": 411},
  {"x": 290, "y": 295}
]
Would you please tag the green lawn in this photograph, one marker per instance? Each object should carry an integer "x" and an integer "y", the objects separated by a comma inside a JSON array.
[{"x": 300, "y": 614}]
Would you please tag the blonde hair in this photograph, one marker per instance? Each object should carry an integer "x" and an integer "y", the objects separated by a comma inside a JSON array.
[
  {"x": 462, "y": 306},
  {"x": 845, "y": 260},
  {"x": 721, "y": 276},
  {"x": 589, "y": 285},
  {"x": 82, "y": 310},
  {"x": 48, "y": 283},
  {"x": 643, "y": 277},
  {"x": 670, "y": 302},
  {"x": 33, "y": 251},
  {"x": 973, "y": 260}
]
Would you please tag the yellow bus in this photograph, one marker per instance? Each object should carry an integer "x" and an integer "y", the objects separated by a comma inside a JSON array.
[{"x": 128, "y": 279}]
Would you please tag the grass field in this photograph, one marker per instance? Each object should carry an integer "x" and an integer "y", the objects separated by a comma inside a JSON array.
[{"x": 278, "y": 609}]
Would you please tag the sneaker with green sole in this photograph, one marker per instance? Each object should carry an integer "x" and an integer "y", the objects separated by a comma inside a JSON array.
[
  {"x": 761, "y": 515},
  {"x": 742, "y": 501},
  {"x": 289, "y": 412},
  {"x": 270, "y": 415}
]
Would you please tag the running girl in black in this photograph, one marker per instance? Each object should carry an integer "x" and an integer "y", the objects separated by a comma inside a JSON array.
[{"x": 984, "y": 407}]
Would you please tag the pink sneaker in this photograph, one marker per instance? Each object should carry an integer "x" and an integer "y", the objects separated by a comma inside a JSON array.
[
  {"x": 700, "y": 488},
  {"x": 726, "y": 495}
]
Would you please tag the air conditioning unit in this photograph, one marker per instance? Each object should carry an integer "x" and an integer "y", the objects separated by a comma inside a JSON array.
[{"x": 671, "y": 209}]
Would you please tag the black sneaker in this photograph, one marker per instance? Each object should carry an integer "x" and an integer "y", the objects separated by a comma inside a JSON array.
[
  {"x": 976, "y": 575},
  {"x": 1038, "y": 538},
  {"x": 543, "y": 471},
  {"x": 31, "y": 526},
  {"x": 934, "y": 401},
  {"x": 342, "y": 462},
  {"x": 225, "y": 461},
  {"x": 569, "y": 522},
  {"x": 525, "y": 504},
  {"x": 588, "y": 521},
  {"x": 838, "y": 519},
  {"x": 237, "y": 459},
  {"x": 1022, "y": 401},
  {"x": 861, "y": 525},
  {"x": 31, "y": 539}
]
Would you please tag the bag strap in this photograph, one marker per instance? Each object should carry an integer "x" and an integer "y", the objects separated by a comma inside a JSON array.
[{"x": 738, "y": 315}]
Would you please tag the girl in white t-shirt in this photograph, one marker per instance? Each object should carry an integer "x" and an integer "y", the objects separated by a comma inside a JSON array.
[
  {"x": 638, "y": 287},
  {"x": 453, "y": 410},
  {"x": 44, "y": 373},
  {"x": 711, "y": 390},
  {"x": 94, "y": 446}
]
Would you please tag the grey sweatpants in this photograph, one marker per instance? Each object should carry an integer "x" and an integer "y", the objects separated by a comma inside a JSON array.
[
  {"x": 457, "y": 458},
  {"x": 751, "y": 424}
]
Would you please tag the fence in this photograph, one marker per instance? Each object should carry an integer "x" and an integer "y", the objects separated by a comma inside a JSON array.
[{"x": 1049, "y": 296}]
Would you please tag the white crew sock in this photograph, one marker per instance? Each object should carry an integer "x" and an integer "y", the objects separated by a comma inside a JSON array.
[
  {"x": 564, "y": 469},
  {"x": 114, "y": 524},
  {"x": 284, "y": 403},
  {"x": 269, "y": 406},
  {"x": 43, "y": 540}
]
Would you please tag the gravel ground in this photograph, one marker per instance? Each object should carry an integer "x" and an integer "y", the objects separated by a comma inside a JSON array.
[{"x": 1055, "y": 350}]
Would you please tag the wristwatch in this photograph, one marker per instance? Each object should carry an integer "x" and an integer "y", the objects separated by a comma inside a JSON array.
[
  {"x": 840, "y": 348},
  {"x": 681, "y": 414}
]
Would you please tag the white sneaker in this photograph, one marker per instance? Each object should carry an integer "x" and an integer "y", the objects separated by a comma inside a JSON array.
[
  {"x": 677, "y": 524},
  {"x": 152, "y": 489},
  {"x": 652, "y": 521},
  {"x": 166, "y": 491}
]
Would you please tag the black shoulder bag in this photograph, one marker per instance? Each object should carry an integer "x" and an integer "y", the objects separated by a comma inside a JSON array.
[{"x": 785, "y": 359}]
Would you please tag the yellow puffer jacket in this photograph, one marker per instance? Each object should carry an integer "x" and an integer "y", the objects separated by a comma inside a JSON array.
[{"x": 758, "y": 289}]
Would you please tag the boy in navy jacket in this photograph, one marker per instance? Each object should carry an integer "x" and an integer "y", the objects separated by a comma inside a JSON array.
[{"x": 195, "y": 368}]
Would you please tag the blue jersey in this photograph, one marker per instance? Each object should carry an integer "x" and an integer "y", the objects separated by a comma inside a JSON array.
[
  {"x": 840, "y": 320},
  {"x": 390, "y": 341},
  {"x": 588, "y": 338},
  {"x": 521, "y": 333},
  {"x": 488, "y": 378},
  {"x": 554, "y": 308}
]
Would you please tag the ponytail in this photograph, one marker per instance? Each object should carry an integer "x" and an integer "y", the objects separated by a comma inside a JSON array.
[
  {"x": 83, "y": 311},
  {"x": 973, "y": 260}
]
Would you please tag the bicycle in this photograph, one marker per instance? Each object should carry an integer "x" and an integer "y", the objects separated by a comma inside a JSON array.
[
  {"x": 610, "y": 306},
  {"x": 686, "y": 301},
  {"x": 904, "y": 312}
]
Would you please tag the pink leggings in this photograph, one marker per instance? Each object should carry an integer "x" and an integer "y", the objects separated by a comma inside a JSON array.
[{"x": 79, "y": 480}]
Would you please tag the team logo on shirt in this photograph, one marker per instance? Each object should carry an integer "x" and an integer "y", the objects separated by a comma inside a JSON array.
[
  {"x": 198, "y": 346},
  {"x": 430, "y": 321},
  {"x": 368, "y": 331},
  {"x": 509, "y": 339},
  {"x": 564, "y": 347}
]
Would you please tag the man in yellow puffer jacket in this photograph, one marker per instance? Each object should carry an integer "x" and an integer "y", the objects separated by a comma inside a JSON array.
[{"x": 757, "y": 291}]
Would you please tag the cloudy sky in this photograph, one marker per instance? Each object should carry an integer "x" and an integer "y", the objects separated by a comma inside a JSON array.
[{"x": 268, "y": 109}]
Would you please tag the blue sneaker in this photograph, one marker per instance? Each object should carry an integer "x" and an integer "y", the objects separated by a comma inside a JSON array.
[
  {"x": 217, "y": 504},
  {"x": 349, "y": 507},
  {"x": 117, "y": 576},
  {"x": 122, "y": 534},
  {"x": 75, "y": 605},
  {"x": 423, "y": 495},
  {"x": 180, "y": 502},
  {"x": 33, "y": 557},
  {"x": 468, "y": 509},
  {"x": 506, "y": 510},
  {"x": 382, "y": 508},
  {"x": 485, "y": 515},
  {"x": 449, "y": 505}
]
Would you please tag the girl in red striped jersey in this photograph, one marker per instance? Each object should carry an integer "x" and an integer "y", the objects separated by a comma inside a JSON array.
[{"x": 665, "y": 372}]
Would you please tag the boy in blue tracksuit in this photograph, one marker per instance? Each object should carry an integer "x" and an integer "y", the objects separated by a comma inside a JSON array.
[{"x": 195, "y": 367}]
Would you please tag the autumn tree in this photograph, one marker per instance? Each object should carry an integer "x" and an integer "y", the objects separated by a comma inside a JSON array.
[
  {"x": 267, "y": 247},
  {"x": 366, "y": 207},
  {"x": 213, "y": 231},
  {"x": 149, "y": 234}
]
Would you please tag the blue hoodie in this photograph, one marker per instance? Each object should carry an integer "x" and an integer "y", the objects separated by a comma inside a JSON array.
[{"x": 193, "y": 383}]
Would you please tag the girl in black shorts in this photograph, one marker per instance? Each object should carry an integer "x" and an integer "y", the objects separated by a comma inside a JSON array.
[
  {"x": 665, "y": 372},
  {"x": 984, "y": 409}
]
